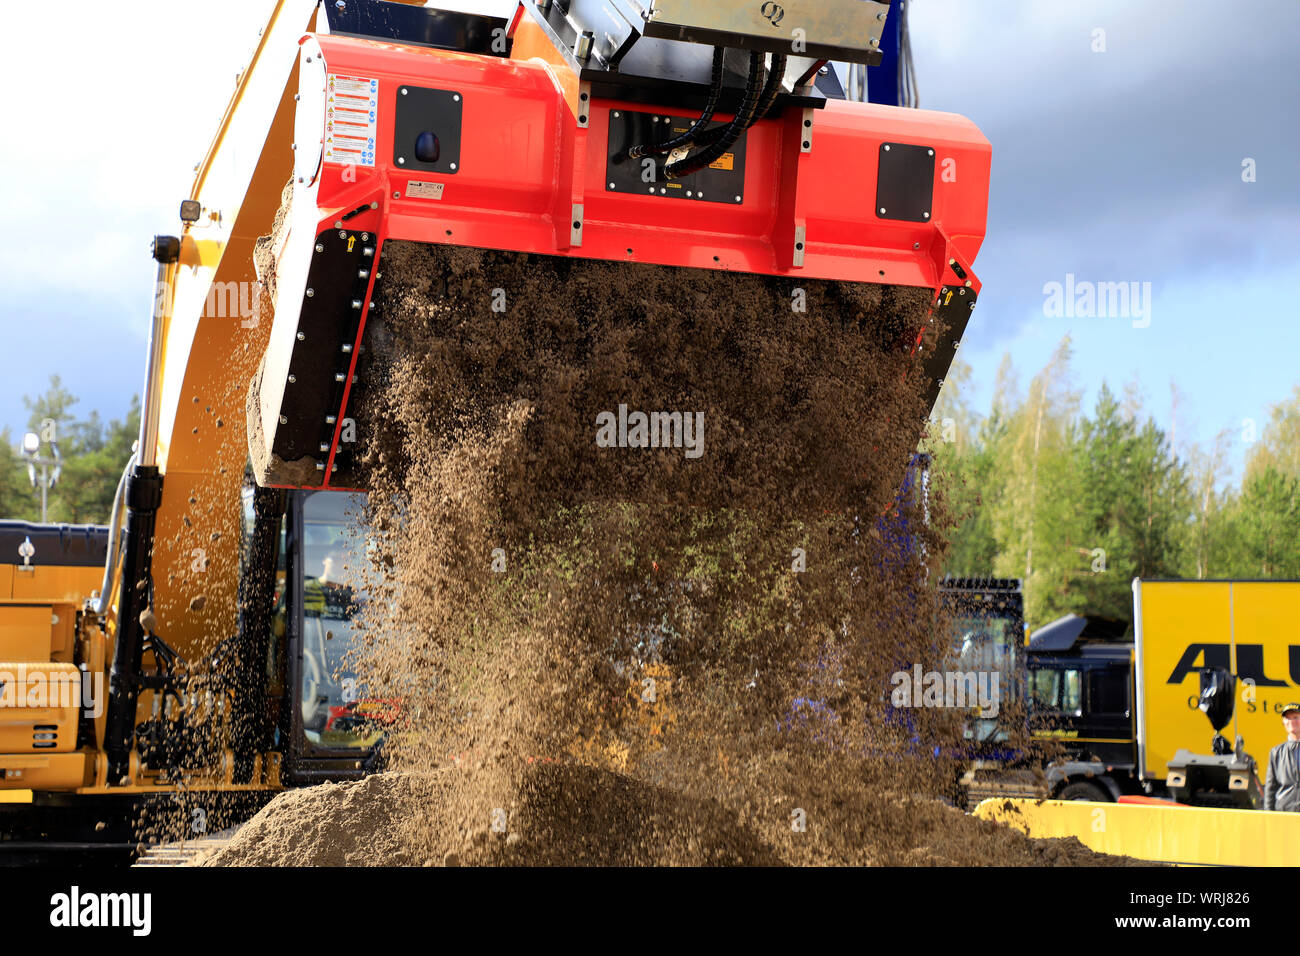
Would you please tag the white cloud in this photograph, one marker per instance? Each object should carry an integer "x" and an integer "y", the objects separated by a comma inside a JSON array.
[{"x": 116, "y": 118}]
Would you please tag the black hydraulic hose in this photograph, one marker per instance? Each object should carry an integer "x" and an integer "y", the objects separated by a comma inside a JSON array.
[
  {"x": 771, "y": 90},
  {"x": 731, "y": 132},
  {"x": 687, "y": 138}
]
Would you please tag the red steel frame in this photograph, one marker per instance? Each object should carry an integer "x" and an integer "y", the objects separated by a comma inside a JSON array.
[{"x": 525, "y": 163}]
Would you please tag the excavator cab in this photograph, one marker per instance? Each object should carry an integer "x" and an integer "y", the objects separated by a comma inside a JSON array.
[{"x": 316, "y": 715}]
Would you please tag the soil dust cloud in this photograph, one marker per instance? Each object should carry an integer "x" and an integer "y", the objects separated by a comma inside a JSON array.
[{"x": 607, "y": 653}]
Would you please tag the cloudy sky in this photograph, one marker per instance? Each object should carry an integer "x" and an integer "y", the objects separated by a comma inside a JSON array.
[
  {"x": 1115, "y": 166},
  {"x": 1126, "y": 166}
]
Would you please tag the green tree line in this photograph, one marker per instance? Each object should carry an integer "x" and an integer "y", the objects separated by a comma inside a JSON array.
[
  {"x": 1077, "y": 502},
  {"x": 93, "y": 454}
]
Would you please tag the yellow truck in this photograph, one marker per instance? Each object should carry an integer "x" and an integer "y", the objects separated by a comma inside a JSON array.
[
  {"x": 1228, "y": 648},
  {"x": 1185, "y": 631}
]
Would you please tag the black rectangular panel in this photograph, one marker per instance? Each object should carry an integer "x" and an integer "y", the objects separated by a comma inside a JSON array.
[
  {"x": 724, "y": 182},
  {"x": 905, "y": 182},
  {"x": 422, "y": 111},
  {"x": 954, "y": 306}
]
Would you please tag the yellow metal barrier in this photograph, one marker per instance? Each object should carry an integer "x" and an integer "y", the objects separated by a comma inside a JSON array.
[{"x": 1195, "y": 836}]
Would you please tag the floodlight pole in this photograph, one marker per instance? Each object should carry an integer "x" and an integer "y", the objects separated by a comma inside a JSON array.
[{"x": 36, "y": 460}]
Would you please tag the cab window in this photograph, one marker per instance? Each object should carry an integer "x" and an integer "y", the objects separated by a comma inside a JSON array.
[
  {"x": 335, "y": 711},
  {"x": 1056, "y": 689}
]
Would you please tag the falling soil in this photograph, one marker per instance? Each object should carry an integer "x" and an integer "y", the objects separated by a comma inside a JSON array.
[{"x": 602, "y": 639}]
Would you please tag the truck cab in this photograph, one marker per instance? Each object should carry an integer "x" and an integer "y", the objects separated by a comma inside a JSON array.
[
  {"x": 1080, "y": 697},
  {"x": 1083, "y": 710}
]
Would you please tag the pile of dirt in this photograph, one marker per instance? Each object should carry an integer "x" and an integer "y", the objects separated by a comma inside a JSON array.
[{"x": 584, "y": 816}]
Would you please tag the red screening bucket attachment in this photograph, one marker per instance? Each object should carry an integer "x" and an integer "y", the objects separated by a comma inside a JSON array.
[{"x": 518, "y": 154}]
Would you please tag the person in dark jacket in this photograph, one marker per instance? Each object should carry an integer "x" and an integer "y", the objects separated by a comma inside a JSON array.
[{"x": 1282, "y": 791}]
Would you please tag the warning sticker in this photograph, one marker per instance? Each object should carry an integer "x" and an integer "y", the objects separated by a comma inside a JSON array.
[
  {"x": 351, "y": 111},
  {"x": 726, "y": 161}
]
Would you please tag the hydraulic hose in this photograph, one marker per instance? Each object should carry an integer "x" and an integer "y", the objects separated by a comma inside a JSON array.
[
  {"x": 771, "y": 90},
  {"x": 731, "y": 132},
  {"x": 687, "y": 138}
]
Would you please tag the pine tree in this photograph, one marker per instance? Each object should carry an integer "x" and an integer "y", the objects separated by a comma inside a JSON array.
[
  {"x": 92, "y": 455},
  {"x": 1267, "y": 525},
  {"x": 1078, "y": 506}
]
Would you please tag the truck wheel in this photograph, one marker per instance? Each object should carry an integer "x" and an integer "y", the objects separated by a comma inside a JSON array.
[{"x": 1083, "y": 790}]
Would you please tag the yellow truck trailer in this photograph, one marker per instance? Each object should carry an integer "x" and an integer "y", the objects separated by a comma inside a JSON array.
[
  {"x": 1246, "y": 628},
  {"x": 1188, "y": 636}
]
